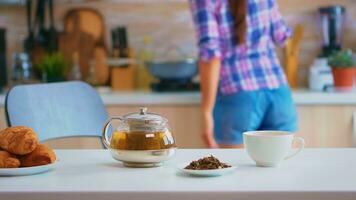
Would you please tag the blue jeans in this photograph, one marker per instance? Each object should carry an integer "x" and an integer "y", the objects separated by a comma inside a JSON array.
[{"x": 256, "y": 110}]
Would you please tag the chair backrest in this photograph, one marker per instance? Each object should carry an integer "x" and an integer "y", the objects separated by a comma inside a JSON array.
[{"x": 56, "y": 110}]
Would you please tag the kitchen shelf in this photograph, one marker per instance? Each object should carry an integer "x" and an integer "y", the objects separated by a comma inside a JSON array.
[{"x": 120, "y": 61}]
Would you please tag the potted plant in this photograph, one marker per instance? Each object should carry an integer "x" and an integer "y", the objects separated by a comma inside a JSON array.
[
  {"x": 343, "y": 68},
  {"x": 53, "y": 67}
]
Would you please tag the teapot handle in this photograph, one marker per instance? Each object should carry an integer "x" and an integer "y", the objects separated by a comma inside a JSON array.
[{"x": 104, "y": 137}]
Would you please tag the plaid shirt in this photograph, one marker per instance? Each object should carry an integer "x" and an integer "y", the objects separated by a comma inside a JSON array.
[{"x": 250, "y": 66}]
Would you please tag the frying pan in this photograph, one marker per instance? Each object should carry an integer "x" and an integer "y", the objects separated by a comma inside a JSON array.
[{"x": 175, "y": 70}]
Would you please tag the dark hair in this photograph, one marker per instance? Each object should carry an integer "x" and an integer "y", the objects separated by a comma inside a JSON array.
[{"x": 238, "y": 9}]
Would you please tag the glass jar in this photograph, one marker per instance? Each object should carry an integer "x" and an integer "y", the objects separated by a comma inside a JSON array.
[{"x": 21, "y": 69}]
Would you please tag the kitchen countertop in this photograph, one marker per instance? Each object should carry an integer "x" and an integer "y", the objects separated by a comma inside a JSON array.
[
  {"x": 300, "y": 96},
  {"x": 318, "y": 174}
]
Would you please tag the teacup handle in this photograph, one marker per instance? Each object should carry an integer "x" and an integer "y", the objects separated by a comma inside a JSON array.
[
  {"x": 104, "y": 137},
  {"x": 302, "y": 144}
]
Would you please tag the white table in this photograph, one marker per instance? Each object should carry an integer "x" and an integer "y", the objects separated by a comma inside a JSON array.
[{"x": 318, "y": 174}]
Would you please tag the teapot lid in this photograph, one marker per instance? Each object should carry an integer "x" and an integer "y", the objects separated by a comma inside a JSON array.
[{"x": 144, "y": 119}]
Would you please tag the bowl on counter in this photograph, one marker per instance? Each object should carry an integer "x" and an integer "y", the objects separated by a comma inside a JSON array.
[{"x": 140, "y": 139}]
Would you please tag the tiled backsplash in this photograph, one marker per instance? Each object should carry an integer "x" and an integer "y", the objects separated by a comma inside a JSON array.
[{"x": 169, "y": 23}]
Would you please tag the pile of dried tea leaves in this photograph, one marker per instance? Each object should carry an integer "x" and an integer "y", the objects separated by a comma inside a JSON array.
[{"x": 207, "y": 163}]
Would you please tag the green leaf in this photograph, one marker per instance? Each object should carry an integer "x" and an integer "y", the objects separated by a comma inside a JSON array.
[
  {"x": 54, "y": 65},
  {"x": 342, "y": 59}
]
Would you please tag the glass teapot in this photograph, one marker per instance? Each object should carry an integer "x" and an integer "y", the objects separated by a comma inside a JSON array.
[{"x": 140, "y": 140}]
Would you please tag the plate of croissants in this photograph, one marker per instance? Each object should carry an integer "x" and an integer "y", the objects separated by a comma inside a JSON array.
[{"x": 22, "y": 154}]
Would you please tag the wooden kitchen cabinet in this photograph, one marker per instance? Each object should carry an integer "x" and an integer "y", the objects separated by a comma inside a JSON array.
[
  {"x": 184, "y": 120},
  {"x": 321, "y": 126},
  {"x": 327, "y": 126}
]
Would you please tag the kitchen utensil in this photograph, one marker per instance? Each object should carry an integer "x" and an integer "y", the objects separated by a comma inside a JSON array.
[
  {"x": 3, "y": 68},
  {"x": 76, "y": 40},
  {"x": 42, "y": 35},
  {"x": 29, "y": 41},
  {"x": 122, "y": 78},
  {"x": 320, "y": 76},
  {"x": 269, "y": 148},
  {"x": 140, "y": 140},
  {"x": 27, "y": 170},
  {"x": 207, "y": 173},
  {"x": 175, "y": 70},
  {"x": 292, "y": 54},
  {"x": 40, "y": 42},
  {"x": 80, "y": 42},
  {"x": 122, "y": 74},
  {"x": 77, "y": 19},
  {"x": 52, "y": 32},
  {"x": 102, "y": 69},
  {"x": 45, "y": 39},
  {"x": 120, "y": 42},
  {"x": 332, "y": 28},
  {"x": 96, "y": 27}
]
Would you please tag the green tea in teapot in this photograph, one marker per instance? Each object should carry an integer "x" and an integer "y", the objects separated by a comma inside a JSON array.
[{"x": 142, "y": 140}]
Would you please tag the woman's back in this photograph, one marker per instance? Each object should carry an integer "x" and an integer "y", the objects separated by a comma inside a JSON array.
[
  {"x": 249, "y": 66},
  {"x": 243, "y": 86}
]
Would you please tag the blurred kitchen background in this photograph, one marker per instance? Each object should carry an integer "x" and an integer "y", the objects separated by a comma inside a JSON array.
[
  {"x": 149, "y": 45},
  {"x": 154, "y": 30},
  {"x": 157, "y": 27}
]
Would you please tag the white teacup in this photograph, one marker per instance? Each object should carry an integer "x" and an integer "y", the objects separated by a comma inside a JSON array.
[{"x": 269, "y": 148}]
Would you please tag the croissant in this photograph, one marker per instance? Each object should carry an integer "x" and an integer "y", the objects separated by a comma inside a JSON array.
[
  {"x": 19, "y": 140},
  {"x": 42, "y": 155},
  {"x": 8, "y": 161}
]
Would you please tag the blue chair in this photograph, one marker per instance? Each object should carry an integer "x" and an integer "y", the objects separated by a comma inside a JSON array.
[{"x": 56, "y": 110}]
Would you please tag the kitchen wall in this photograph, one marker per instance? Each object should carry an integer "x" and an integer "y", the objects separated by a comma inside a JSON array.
[{"x": 169, "y": 23}]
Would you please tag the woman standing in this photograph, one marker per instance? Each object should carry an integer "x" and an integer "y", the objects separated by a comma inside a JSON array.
[{"x": 243, "y": 85}]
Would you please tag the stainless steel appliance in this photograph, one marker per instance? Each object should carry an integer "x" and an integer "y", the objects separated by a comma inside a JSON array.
[{"x": 332, "y": 27}]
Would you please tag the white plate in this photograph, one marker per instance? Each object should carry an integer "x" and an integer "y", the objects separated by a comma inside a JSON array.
[
  {"x": 209, "y": 172},
  {"x": 27, "y": 170}
]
